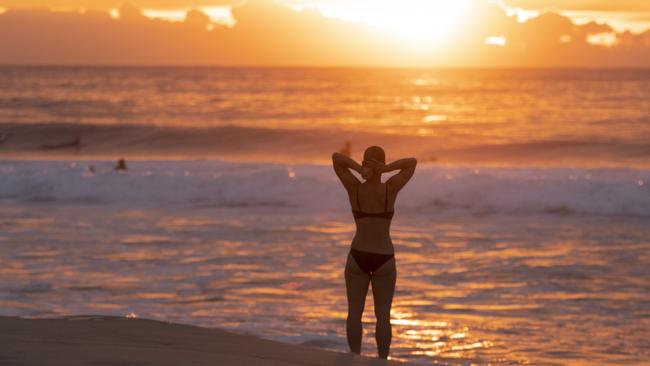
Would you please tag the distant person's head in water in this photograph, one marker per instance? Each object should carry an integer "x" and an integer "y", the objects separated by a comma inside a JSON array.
[
  {"x": 346, "y": 149},
  {"x": 121, "y": 165}
]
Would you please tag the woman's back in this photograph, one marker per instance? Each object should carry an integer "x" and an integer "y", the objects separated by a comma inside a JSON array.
[{"x": 373, "y": 214}]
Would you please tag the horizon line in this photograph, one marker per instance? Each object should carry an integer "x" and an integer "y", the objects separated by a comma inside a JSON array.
[{"x": 303, "y": 66}]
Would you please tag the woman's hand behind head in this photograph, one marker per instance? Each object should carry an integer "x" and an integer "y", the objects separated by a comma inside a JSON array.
[
  {"x": 367, "y": 172},
  {"x": 375, "y": 165}
]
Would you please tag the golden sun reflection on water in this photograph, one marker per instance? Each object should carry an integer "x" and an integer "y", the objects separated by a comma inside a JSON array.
[
  {"x": 434, "y": 338},
  {"x": 467, "y": 292}
]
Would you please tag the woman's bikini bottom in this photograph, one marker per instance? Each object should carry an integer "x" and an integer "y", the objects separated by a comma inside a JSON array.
[{"x": 370, "y": 262}]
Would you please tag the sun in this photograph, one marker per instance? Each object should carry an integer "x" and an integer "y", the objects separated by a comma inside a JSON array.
[{"x": 417, "y": 22}]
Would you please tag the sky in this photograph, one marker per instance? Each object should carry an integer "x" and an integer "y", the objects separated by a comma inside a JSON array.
[{"x": 395, "y": 33}]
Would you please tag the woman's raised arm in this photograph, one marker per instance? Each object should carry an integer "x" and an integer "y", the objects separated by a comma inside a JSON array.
[
  {"x": 406, "y": 167},
  {"x": 342, "y": 165}
]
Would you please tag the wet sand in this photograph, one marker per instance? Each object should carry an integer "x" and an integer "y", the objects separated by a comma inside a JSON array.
[{"x": 100, "y": 340}]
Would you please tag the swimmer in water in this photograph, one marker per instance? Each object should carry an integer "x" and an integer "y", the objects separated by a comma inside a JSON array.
[{"x": 121, "y": 165}]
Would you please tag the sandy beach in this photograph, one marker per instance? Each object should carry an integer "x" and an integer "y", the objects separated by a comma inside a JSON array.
[{"x": 101, "y": 340}]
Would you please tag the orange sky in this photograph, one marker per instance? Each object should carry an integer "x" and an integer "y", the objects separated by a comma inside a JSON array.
[{"x": 465, "y": 33}]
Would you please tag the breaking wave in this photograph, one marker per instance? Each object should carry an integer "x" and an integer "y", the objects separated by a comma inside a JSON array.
[{"x": 218, "y": 184}]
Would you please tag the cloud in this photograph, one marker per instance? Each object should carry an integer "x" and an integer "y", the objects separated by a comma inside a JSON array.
[
  {"x": 589, "y": 5},
  {"x": 633, "y": 15},
  {"x": 269, "y": 34},
  {"x": 198, "y": 18},
  {"x": 265, "y": 34},
  {"x": 595, "y": 5},
  {"x": 107, "y": 4},
  {"x": 131, "y": 13}
]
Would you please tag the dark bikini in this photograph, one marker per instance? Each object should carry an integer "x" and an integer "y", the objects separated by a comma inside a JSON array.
[{"x": 370, "y": 262}]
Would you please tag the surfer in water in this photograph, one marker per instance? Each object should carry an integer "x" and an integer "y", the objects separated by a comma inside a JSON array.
[
  {"x": 372, "y": 257},
  {"x": 75, "y": 143}
]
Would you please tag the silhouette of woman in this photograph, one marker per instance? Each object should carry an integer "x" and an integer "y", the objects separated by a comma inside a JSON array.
[{"x": 371, "y": 257}]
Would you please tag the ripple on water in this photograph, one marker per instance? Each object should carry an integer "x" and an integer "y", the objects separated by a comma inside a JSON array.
[{"x": 482, "y": 290}]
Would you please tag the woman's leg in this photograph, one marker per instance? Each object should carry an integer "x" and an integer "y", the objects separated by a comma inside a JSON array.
[
  {"x": 383, "y": 287},
  {"x": 356, "y": 283}
]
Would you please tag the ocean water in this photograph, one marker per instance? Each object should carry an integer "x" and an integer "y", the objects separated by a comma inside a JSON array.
[
  {"x": 515, "y": 117},
  {"x": 523, "y": 238},
  {"x": 497, "y": 266}
]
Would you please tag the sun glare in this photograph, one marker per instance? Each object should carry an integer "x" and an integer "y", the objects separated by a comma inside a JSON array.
[
  {"x": 219, "y": 14},
  {"x": 607, "y": 39},
  {"x": 168, "y": 15},
  {"x": 114, "y": 13},
  {"x": 496, "y": 41},
  {"x": 522, "y": 15},
  {"x": 419, "y": 22},
  {"x": 619, "y": 21}
]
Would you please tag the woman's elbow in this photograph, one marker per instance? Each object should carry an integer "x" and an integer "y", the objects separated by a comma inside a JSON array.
[{"x": 335, "y": 158}]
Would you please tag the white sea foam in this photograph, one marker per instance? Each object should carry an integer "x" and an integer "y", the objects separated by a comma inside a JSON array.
[{"x": 434, "y": 189}]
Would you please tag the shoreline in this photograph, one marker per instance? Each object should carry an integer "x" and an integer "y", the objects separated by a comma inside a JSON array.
[{"x": 110, "y": 340}]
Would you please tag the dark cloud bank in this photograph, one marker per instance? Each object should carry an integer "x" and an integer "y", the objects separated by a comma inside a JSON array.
[{"x": 267, "y": 34}]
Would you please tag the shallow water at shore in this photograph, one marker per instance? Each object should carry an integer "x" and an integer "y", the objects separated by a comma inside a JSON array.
[{"x": 474, "y": 286}]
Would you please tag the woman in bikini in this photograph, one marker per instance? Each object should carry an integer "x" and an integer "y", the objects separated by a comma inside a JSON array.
[{"x": 372, "y": 256}]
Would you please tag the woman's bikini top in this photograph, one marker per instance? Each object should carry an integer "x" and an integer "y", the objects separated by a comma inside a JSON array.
[{"x": 385, "y": 215}]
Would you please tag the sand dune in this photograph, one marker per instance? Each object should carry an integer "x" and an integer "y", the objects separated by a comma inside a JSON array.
[{"x": 99, "y": 340}]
